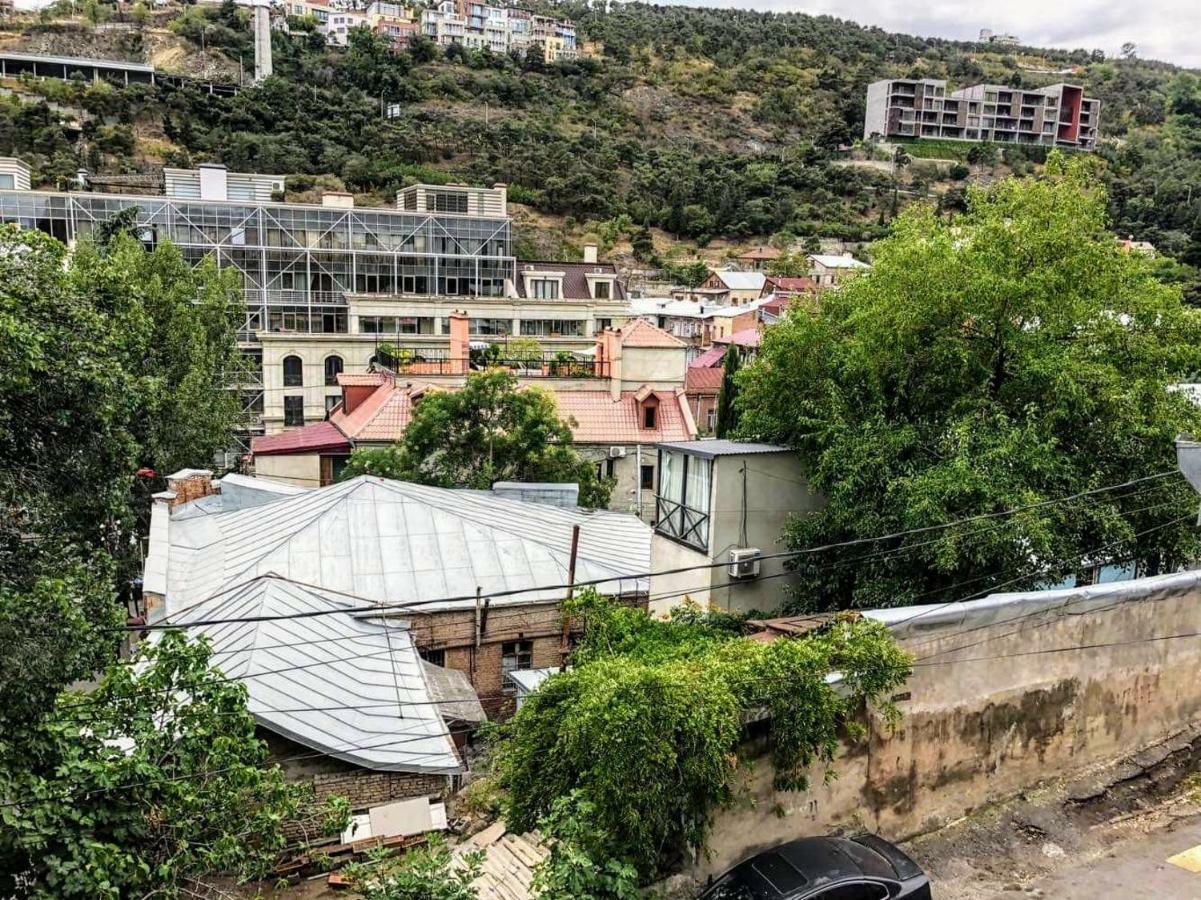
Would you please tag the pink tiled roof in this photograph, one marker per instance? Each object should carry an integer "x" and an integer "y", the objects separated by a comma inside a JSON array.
[
  {"x": 748, "y": 337},
  {"x": 791, "y": 285},
  {"x": 599, "y": 419},
  {"x": 760, "y": 253},
  {"x": 361, "y": 379},
  {"x": 383, "y": 416},
  {"x": 710, "y": 358},
  {"x": 641, "y": 333},
  {"x": 316, "y": 438},
  {"x": 703, "y": 380}
]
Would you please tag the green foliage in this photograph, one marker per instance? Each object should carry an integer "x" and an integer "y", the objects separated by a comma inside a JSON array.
[
  {"x": 1012, "y": 356},
  {"x": 148, "y": 784},
  {"x": 423, "y": 873},
  {"x": 488, "y": 431},
  {"x": 789, "y": 265},
  {"x": 727, "y": 397},
  {"x": 690, "y": 274},
  {"x": 631, "y": 752},
  {"x": 571, "y": 872}
]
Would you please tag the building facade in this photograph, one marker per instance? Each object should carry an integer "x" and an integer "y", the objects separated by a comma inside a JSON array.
[{"x": 1055, "y": 116}]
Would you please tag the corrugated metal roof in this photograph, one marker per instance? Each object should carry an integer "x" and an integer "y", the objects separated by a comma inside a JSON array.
[
  {"x": 838, "y": 262},
  {"x": 741, "y": 281},
  {"x": 715, "y": 447},
  {"x": 311, "y": 439},
  {"x": 395, "y": 542},
  {"x": 703, "y": 380},
  {"x": 303, "y": 674}
]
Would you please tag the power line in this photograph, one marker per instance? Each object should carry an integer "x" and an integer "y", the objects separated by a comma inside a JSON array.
[{"x": 379, "y": 607}]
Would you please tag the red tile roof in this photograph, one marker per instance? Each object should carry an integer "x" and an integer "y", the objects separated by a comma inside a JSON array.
[
  {"x": 713, "y": 357},
  {"x": 641, "y": 333},
  {"x": 760, "y": 253},
  {"x": 321, "y": 437},
  {"x": 748, "y": 337},
  {"x": 383, "y": 416},
  {"x": 702, "y": 380},
  {"x": 361, "y": 379},
  {"x": 799, "y": 285},
  {"x": 599, "y": 419}
]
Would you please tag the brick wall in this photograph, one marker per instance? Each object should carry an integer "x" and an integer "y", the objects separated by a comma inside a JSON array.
[{"x": 365, "y": 788}]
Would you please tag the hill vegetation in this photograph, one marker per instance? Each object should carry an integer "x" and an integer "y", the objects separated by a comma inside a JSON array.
[{"x": 707, "y": 124}]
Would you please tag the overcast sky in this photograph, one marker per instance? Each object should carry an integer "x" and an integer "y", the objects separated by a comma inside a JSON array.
[{"x": 1163, "y": 29}]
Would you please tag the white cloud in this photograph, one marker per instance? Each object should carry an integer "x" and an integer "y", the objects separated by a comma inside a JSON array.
[{"x": 1162, "y": 29}]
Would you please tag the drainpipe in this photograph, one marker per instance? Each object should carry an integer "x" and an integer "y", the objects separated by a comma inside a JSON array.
[{"x": 638, "y": 476}]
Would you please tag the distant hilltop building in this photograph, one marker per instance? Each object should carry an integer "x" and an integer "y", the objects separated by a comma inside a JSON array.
[
  {"x": 1055, "y": 116},
  {"x": 988, "y": 36}
]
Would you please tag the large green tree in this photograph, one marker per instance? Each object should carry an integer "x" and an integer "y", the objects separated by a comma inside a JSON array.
[
  {"x": 144, "y": 787},
  {"x": 1013, "y": 356},
  {"x": 727, "y": 411},
  {"x": 490, "y": 430}
]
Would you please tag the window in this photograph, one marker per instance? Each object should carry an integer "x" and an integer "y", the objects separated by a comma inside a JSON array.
[
  {"x": 333, "y": 368},
  {"x": 515, "y": 655},
  {"x": 553, "y": 327},
  {"x": 646, "y": 478},
  {"x": 603, "y": 325},
  {"x": 711, "y": 418},
  {"x": 293, "y": 411},
  {"x": 648, "y": 416},
  {"x": 446, "y": 201},
  {"x": 602, "y": 290},
  {"x": 433, "y": 657},
  {"x": 544, "y": 288},
  {"x": 858, "y": 890},
  {"x": 682, "y": 503},
  {"x": 8, "y": 182},
  {"x": 331, "y": 400},
  {"x": 293, "y": 372}
]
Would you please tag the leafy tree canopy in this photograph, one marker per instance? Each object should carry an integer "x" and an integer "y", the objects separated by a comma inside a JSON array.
[
  {"x": 488, "y": 431},
  {"x": 639, "y": 739},
  {"x": 1011, "y": 356},
  {"x": 143, "y": 787}
]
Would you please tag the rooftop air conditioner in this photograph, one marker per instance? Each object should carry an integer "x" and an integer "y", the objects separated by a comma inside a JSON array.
[
  {"x": 744, "y": 562},
  {"x": 617, "y": 452}
]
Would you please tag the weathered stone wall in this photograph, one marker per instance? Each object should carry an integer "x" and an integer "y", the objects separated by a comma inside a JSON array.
[{"x": 1004, "y": 694}]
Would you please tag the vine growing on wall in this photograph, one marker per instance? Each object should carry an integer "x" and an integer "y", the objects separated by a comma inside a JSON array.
[{"x": 643, "y": 732}]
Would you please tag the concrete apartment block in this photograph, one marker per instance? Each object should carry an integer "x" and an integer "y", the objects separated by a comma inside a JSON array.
[{"x": 1058, "y": 115}]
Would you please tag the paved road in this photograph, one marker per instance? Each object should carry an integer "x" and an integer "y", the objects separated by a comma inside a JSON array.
[{"x": 1132, "y": 870}]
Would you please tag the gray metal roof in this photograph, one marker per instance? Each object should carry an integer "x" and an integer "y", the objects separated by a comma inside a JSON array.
[
  {"x": 394, "y": 542},
  {"x": 707, "y": 449},
  {"x": 81, "y": 61},
  {"x": 347, "y": 686},
  {"x": 529, "y": 680}
]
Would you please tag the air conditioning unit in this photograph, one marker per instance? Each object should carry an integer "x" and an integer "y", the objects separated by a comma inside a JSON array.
[
  {"x": 744, "y": 562},
  {"x": 617, "y": 452}
]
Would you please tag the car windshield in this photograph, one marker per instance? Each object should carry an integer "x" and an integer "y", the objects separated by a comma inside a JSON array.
[{"x": 732, "y": 887}]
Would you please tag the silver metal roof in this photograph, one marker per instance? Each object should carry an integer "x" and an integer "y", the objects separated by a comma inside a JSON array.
[
  {"x": 81, "y": 61},
  {"x": 529, "y": 680},
  {"x": 394, "y": 542},
  {"x": 350, "y": 687},
  {"x": 708, "y": 449}
]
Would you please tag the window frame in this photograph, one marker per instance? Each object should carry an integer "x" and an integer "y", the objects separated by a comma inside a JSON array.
[
  {"x": 341, "y": 363},
  {"x": 295, "y": 379},
  {"x": 515, "y": 650},
  {"x": 294, "y": 411}
]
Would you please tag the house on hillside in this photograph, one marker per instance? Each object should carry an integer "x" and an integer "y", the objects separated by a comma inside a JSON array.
[
  {"x": 702, "y": 389},
  {"x": 620, "y": 402},
  {"x": 728, "y": 286},
  {"x": 724, "y": 504},
  {"x": 757, "y": 259},
  {"x": 471, "y": 582},
  {"x": 782, "y": 286},
  {"x": 830, "y": 269},
  {"x": 697, "y": 323}
]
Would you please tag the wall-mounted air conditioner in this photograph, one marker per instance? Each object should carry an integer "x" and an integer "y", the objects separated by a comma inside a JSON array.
[
  {"x": 617, "y": 452},
  {"x": 744, "y": 562}
]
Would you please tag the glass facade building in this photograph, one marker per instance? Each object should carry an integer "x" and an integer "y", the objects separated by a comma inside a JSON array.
[{"x": 298, "y": 262}]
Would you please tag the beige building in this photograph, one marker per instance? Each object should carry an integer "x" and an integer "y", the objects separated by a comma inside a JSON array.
[
  {"x": 829, "y": 269},
  {"x": 724, "y": 504},
  {"x": 621, "y": 399}
]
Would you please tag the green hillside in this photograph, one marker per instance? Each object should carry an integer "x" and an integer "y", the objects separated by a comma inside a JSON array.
[{"x": 708, "y": 124}]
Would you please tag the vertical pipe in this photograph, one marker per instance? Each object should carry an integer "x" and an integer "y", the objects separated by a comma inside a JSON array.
[{"x": 565, "y": 642}]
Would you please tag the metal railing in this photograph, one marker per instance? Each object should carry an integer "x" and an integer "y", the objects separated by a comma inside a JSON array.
[{"x": 685, "y": 524}]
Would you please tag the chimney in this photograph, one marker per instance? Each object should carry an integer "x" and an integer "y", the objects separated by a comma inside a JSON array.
[
  {"x": 337, "y": 199},
  {"x": 187, "y": 485},
  {"x": 460, "y": 342},
  {"x": 590, "y": 253}
]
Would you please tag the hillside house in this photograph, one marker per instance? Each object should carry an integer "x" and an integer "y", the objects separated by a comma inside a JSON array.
[
  {"x": 830, "y": 269},
  {"x": 757, "y": 259}
]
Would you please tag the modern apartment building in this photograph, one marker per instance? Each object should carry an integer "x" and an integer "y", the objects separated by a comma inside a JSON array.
[
  {"x": 480, "y": 26},
  {"x": 1055, "y": 116}
]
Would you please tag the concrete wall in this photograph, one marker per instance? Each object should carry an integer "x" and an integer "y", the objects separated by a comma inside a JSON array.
[
  {"x": 661, "y": 367},
  {"x": 303, "y": 470},
  {"x": 1006, "y": 692}
]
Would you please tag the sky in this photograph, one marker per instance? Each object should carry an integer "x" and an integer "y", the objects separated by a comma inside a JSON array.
[{"x": 1168, "y": 30}]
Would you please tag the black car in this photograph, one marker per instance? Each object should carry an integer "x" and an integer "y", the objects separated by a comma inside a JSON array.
[{"x": 863, "y": 867}]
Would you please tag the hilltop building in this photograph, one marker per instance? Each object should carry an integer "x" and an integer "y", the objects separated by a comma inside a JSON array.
[{"x": 1055, "y": 116}]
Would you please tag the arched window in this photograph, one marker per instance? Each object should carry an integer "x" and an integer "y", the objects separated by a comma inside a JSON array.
[
  {"x": 293, "y": 372},
  {"x": 333, "y": 368}
]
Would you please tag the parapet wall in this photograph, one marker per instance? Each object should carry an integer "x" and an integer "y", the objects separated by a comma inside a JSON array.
[{"x": 1006, "y": 692}]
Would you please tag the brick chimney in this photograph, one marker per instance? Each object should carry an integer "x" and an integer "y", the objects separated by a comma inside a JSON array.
[
  {"x": 460, "y": 342},
  {"x": 187, "y": 485}
]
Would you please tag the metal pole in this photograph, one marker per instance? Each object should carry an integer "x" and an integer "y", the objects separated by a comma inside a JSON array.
[
  {"x": 565, "y": 643},
  {"x": 638, "y": 476}
]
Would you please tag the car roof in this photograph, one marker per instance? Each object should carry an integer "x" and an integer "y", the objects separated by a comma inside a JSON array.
[{"x": 809, "y": 863}]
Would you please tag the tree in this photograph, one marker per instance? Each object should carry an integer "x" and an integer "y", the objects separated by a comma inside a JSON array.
[
  {"x": 488, "y": 431},
  {"x": 1014, "y": 356},
  {"x": 727, "y": 411},
  {"x": 422, "y": 873},
  {"x": 789, "y": 265},
  {"x": 1129, "y": 50},
  {"x": 690, "y": 274},
  {"x": 150, "y": 783}
]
